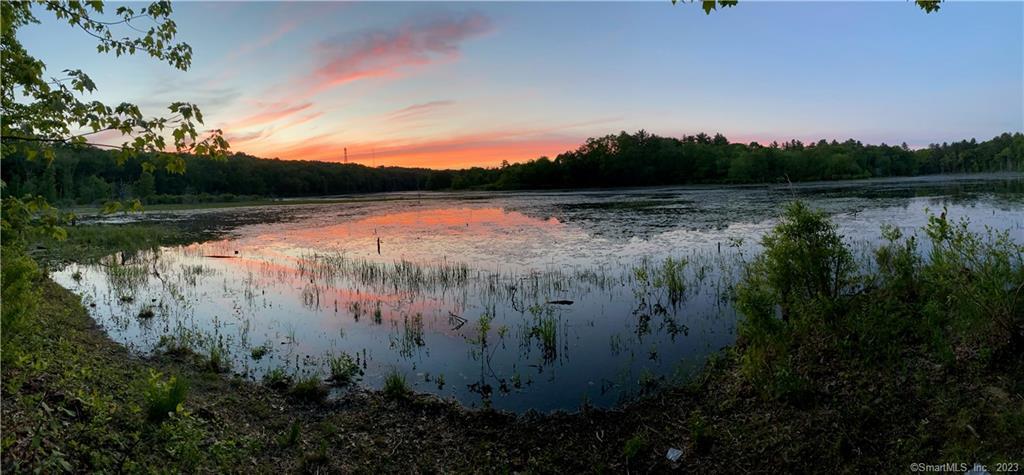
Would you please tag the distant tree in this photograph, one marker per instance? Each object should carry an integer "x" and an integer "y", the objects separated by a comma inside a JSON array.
[
  {"x": 93, "y": 189},
  {"x": 145, "y": 186},
  {"x": 710, "y": 5}
]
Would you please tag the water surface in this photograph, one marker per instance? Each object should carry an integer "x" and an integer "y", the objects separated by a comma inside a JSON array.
[{"x": 531, "y": 300}]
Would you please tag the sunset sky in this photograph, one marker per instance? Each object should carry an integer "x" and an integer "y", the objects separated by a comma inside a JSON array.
[{"x": 452, "y": 85}]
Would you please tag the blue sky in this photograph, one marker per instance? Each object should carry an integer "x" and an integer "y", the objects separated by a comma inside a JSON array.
[{"x": 462, "y": 84}]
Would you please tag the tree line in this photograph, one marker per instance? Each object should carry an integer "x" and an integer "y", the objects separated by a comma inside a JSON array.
[{"x": 86, "y": 175}]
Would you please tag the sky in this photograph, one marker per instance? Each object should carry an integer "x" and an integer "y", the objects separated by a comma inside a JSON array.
[{"x": 454, "y": 85}]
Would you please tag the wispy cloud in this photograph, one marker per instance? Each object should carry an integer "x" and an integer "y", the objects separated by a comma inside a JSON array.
[
  {"x": 271, "y": 113},
  {"x": 380, "y": 53},
  {"x": 417, "y": 110},
  {"x": 263, "y": 41}
]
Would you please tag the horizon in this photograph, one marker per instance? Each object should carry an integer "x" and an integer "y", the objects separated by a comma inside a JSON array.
[{"x": 449, "y": 86}]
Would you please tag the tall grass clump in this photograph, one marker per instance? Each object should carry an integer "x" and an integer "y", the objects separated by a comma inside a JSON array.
[
  {"x": 309, "y": 388},
  {"x": 395, "y": 386},
  {"x": 163, "y": 397},
  {"x": 344, "y": 369}
]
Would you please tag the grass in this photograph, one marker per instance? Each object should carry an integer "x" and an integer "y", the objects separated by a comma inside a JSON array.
[
  {"x": 92, "y": 242},
  {"x": 277, "y": 379},
  {"x": 218, "y": 361},
  {"x": 344, "y": 369},
  {"x": 395, "y": 386},
  {"x": 309, "y": 389}
]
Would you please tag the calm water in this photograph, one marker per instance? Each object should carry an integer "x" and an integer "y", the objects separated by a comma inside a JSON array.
[{"x": 520, "y": 301}]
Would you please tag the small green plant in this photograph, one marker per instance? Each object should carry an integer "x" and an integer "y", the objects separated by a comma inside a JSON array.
[
  {"x": 163, "y": 397},
  {"x": 395, "y": 386},
  {"x": 545, "y": 329},
  {"x": 700, "y": 432},
  {"x": 146, "y": 313},
  {"x": 218, "y": 361},
  {"x": 344, "y": 369},
  {"x": 260, "y": 351},
  {"x": 634, "y": 446},
  {"x": 290, "y": 438},
  {"x": 277, "y": 378},
  {"x": 309, "y": 388}
]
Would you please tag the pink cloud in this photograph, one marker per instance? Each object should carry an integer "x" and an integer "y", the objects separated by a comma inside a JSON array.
[{"x": 389, "y": 53}]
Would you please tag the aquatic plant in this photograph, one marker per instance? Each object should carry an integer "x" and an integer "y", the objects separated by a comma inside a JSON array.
[
  {"x": 259, "y": 352},
  {"x": 344, "y": 369},
  {"x": 395, "y": 385}
]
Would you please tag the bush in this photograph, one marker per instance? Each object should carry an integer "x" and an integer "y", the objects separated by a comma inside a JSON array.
[
  {"x": 20, "y": 295},
  {"x": 975, "y": 285},
  {"x": 163, "y": 397},
  {"x": 804, "y": 261}
]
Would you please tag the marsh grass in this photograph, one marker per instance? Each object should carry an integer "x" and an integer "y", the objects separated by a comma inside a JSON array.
[
  {"x": 277, "y": 378},
  {"x": 395, "y": 386},
  {"x": 309, "y": 388},
  {"x": 218, "y": 360},
  {"x": 344, "y": 369},
  {"x": 259, "y": 352}
]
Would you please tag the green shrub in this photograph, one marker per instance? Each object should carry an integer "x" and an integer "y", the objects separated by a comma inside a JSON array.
[
  {"x": 20, "y": 296},
  {"x": 974, "y": 284},
  {"x": 804, "y": 261},
  {"x": 801, "y": 281},
  {"x": 163, "y": 397}
]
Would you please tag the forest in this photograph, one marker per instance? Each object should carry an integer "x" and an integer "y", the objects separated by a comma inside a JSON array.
[{"x": 86, "y": 175}]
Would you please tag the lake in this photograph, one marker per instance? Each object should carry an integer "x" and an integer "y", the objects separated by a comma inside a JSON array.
[{"x": 511, "y": 300}]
